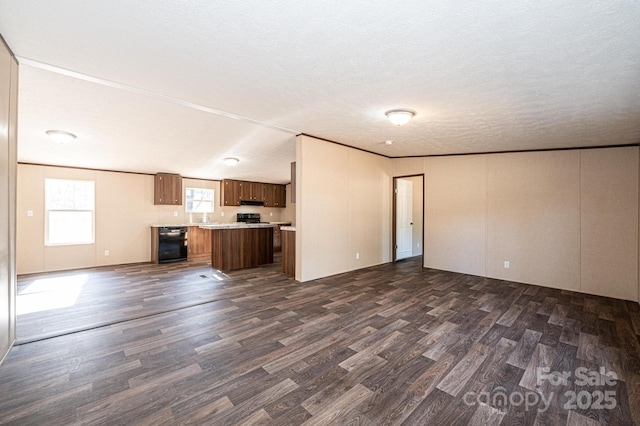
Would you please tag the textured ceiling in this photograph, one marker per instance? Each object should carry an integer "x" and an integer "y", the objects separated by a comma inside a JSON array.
[{"x": 180, "y": 85}]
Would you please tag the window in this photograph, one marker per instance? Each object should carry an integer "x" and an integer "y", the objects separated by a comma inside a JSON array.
[
  {"x": 199, "y": 200},
  {"x": 69, "y": 216}
]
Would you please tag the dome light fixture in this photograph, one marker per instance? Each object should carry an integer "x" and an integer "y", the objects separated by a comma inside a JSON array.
[
  {"x": 60, "y": 136},
  {"x": 231, "y": 161},
  {"x": 398, "y": 117},
  {"x": 389, "y": 142}
]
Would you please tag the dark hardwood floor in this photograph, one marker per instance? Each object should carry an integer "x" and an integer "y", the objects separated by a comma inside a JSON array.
[{"x": 391, "y": 344}]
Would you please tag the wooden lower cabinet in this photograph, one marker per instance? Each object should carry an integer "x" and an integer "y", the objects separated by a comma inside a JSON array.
[
  {"x": 277, "y": 237},
  {"x": 289, "y": 252},
  {"x": 198, "y": 243},
  {"x": 241, "y": 248}
]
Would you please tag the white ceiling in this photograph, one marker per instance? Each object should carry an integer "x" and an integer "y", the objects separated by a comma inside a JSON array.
[{"x": 176, "y": 86}]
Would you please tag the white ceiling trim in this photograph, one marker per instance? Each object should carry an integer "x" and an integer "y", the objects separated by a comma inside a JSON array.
[{"x": 150, "y": 94}]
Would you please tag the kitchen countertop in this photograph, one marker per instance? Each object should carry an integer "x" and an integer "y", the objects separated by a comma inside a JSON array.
[
  {"x": 288, "y": 228},
  {"x": 162, "y": 225},
  {"x": 219, "y": 225},
  {"x": 237, "y": 225}
]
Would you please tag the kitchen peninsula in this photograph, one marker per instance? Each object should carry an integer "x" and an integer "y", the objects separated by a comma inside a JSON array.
[{"x": 240, "y": 245}]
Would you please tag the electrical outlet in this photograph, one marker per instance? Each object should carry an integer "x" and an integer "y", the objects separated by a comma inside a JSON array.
[
  {"x": 221, "y": 213},
  {"x": 30, "y": 213},
  {"x": 106, "y": 252},
  {"x": 270, "y": 213},
  {"x": 506, "y": 264},
  {"x": 175, "y": 214},
  {"x": 418, "y": 245},
  {"x": 357, "y": 255}
]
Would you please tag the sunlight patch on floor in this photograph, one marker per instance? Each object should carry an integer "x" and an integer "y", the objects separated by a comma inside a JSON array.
[{"x": 50, "y": 293}]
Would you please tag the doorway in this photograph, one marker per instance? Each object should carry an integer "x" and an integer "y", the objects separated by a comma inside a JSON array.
[{"x": 408, "y": 216}]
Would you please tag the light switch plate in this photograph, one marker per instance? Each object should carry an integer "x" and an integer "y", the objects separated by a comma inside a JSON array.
[
  {"x": 30, "y": 213},
  {"x": 506, "y": 264}
]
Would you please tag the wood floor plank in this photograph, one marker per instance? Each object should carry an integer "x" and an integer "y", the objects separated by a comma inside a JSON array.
[
  {"x": 576, "y": 419},
  {"x": 541, "y": 360},
  {"x": 588, "y": 349},
  {"x": 333, "y": 412},
  {"x": 510, "y": 316},
  {"x": 212, "y": 409},
  {"x": 522, "y": 353},
  {"x": 249, "y": 407},
  {"x": 497, "y": 357},
  {"x": 455, "y": 381},
  {"x": 260, "y": 417},
  {"x": 486, "y": 415},
  {"x": 393, "y": 401}
]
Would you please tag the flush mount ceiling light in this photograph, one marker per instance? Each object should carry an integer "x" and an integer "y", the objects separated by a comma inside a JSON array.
[
  {"x": 388, "y": 142},
  {"x": 60, "y": 136},
  {"x": 398, "y": 117},
  {"x": 231, "y": 161}
]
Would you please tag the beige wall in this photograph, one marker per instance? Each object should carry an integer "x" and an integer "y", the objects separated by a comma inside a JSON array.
[
  {"x": 407, "y": 166},
  {"x": 416, "y": 212},
  {"x": 343, "y": 208},
  {"x": 564, "y": 219},
  {"x": 8, "y": 128},
  {"x": 609, "y": 206},
  {"x": 124, "y": 211},
  {"x": 533, "y": 218},
  {"x": 455, "y": 214},
  {"x": 288, "y": 214}
]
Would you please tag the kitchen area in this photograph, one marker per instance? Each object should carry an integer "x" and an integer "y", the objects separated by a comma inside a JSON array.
[{"x": 244, "y": 225}]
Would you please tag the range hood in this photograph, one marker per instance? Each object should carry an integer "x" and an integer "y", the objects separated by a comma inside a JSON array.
[{"x": 251, "y": 203}]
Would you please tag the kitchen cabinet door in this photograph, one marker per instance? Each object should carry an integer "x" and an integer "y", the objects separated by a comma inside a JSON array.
[
  {"x": 277, "y": 244},
  {"x": 275, "y": 195},
  {"x": 199, "y": 243},
  {"x": 245, "y": 191},
  {"x": 269, "y": 195},
  {"x": 167, "y": 189},
  {"x": 254, "y": 191},
  {"x": 281, "y": 196},
  {"x": 231, "y": 192}
]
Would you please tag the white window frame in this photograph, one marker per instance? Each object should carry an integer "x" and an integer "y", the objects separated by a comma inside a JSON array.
[
  {"x": 187, "y": 200},
  {"x": 52, "y": 210}
]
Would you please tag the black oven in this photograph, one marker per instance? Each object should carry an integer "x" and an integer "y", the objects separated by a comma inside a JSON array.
[{"x": 172, "y": 244}]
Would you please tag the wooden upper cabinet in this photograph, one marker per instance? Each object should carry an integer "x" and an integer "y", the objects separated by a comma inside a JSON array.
[
  {"x": 245, "y": 191},
  {"x": 257, "y": 191},
  {"x": 167, "y": 189},
  {"x": 252, "y": 191},
  {"x": 274, "y": 195},
  {"x": 281, "y": 196},
  {"x": 234, "y": 191},
  {"x": 269, "y": 195},
  {"x": 231, "y": 192}
]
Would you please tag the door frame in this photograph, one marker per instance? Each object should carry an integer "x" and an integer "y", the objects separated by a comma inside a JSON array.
[{"x": 394, "y": 218}]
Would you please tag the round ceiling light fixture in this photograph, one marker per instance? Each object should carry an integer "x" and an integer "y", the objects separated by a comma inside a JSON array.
[
  {"x": 389, "y": 142},
  {"x": 231, "y": 161},
  {"x": 398, "y": 117},
  {"x": 60, "y": 136}
]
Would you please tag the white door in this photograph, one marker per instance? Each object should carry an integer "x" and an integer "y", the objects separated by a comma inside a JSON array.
[{"x": 404, "y": 220}]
